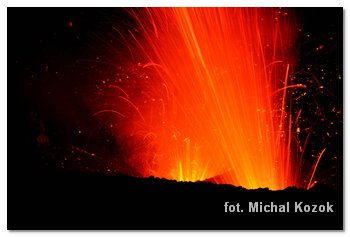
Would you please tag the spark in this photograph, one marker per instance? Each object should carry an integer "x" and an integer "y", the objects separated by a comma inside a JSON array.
[
  {"x": 108, "y": 111},
  {"x": 314, "y": 169}
]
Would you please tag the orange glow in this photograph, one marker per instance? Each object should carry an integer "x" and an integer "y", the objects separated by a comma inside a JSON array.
[{"x": 220, "y": 105}]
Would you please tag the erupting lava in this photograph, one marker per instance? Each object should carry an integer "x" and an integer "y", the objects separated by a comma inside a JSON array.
[{"x": 219, "y": 103}]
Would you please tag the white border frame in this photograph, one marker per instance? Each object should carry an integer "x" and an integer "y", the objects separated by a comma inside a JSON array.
[{"x": 142, "y": 3}]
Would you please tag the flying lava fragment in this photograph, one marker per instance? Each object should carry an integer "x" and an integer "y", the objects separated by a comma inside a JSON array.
[{"x": 217, "y": 104}]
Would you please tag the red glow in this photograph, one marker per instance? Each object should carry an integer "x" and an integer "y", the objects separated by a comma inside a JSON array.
[{"x": 220, "y": 106}]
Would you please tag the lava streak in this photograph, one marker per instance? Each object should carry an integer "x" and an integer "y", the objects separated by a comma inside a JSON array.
[{"x": 220, "y": 99}]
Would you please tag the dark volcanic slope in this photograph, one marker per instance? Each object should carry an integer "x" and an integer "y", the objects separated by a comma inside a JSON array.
[{"x": 96, "y": 201}]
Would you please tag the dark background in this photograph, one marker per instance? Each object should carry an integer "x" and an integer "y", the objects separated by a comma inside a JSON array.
[{"x": 55, "y": 56}]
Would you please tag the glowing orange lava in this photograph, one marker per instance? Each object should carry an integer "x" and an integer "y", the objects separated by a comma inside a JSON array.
[{"x": 220, "y": 107}]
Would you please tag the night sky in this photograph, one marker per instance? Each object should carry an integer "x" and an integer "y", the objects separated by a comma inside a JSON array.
[{"x": 60, "y": 58}]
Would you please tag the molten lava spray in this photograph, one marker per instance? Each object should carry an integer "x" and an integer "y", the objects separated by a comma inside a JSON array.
[{"x": 218, "y": 103}]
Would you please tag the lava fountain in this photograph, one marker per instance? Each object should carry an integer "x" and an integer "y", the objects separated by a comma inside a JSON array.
[{"x": 219, "y": 103}]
